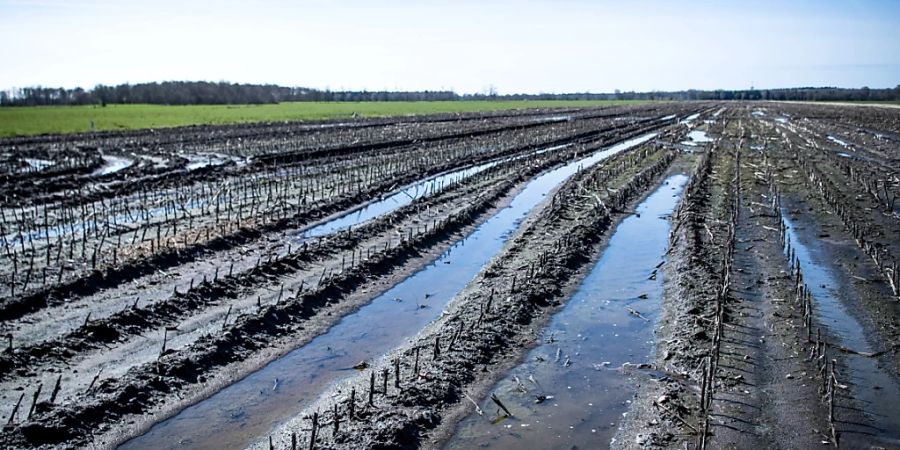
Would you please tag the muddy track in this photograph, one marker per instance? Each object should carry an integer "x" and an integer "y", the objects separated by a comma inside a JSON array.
[
  {"x": 105, "y": 277},
  {"x": 134, "y": 320},
  {"x": 749, "y": 403},
  {"x": 760, "y": 366},
  {"x": 490, "y": 322},
  {"x": 871, "y": 218},
  {"x": 244, "y": 338},
  {"x": 106, "y": 331},
  {"x": 136, "y": 178},
  {"x": 100, "y": 329},
  {"x": 845, "y": 216}
]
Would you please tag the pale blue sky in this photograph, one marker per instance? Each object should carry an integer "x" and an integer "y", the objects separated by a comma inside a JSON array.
[{"x": 517, "y": 46}]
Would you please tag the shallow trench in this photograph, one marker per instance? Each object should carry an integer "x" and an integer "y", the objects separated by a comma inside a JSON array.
[
  {"x": 37, "y": 326},
  {"x": 573, "y": 388},
  {"x": 142, "y": 348},
  {"x": 406, "y": 195},
  {"x": 240, "y": 413},
  {"x": 869, "y": 383}
]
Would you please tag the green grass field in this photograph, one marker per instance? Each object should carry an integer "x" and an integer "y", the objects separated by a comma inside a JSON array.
[{"x": 24, "y": 121}]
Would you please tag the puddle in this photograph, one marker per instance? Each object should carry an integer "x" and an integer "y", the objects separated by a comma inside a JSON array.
[
  {"x": 597, "y": 334},
  {"x": 869, "y": 384},
  {"x": 697, "y": 137},
  {"x": 112, "y": 164},
  {"x": 663, "y": 119},
  {"x": 35, "y": 164},
  {"x": 553, "y": 119},
  {"x": 201, "y": 160},
  {"x": 157, "y": 161},
  {"x": 407, "y": 195},
  {"x": 838, "y": 141},
  {"x": 248, "y": 409},
  {"x": 690, "y": 118},
  {"x": 394, "y": 201}
]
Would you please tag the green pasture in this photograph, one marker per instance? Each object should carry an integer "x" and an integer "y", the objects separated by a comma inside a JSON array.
[{"x": 24, "y": 121}]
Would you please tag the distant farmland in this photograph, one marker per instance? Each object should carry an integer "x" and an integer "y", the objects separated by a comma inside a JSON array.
[{"x": 26, "y": 121}]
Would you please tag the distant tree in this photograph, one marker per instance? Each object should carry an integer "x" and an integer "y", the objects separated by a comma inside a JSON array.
[
  {"x": 201, "y": 92},
  {"x": 864, "y": 93}
]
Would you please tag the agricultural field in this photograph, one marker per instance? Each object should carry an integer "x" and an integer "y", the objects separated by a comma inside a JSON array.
[
  {"x": 35, "y": 120},
  {"x": 654, "y": 275}
]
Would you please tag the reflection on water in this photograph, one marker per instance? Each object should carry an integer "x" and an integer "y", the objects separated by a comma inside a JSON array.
[
  {"x": 248, "y": 409},
  {"x": 870, "y": 384},
  {"x": 570, "y": 392},
  {"x": 407, "y": 195},
  {"x": 112, "y": 164}
]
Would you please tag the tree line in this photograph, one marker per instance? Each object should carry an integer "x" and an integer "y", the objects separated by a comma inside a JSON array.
[{"x": 201, "y": 92}]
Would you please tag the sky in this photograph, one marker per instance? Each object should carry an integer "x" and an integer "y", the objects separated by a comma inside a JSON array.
[{"x": 525, "y": 46}]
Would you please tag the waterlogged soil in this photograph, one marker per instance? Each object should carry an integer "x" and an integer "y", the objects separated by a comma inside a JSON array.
[
  {"x": 377, "y": 280},
  {"x": 573, "y": 388},
  {"x": 127, "y": 232},
  {"x": 142, "y": 343},
  {"x": 769, "y": 387},
  {"x": 488, "y": 335},
  {"x": 244, "y": 351},
  {"x": 587, "y": 334},
  {"x": 297, "y": 377}
]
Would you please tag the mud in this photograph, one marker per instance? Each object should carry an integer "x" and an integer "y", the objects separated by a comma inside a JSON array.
[
  {"x": 755, "y": 368},
  {"x": 143, "y": 272},
  {"x": 493, "y": 318}
]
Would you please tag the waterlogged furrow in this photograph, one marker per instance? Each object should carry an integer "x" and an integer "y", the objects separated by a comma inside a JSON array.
[
  {"x": 869, "y": 382},
  {"x": 132, "y": 393},
  {"x": 305, "y": 372},
  {"x": 428, "y": 374},
  {"x": 411, "y": 193},
  {"x": 37, "y": 327},
  {"x": 149, "y": 320},
  {"x": 573, "y": 388}
]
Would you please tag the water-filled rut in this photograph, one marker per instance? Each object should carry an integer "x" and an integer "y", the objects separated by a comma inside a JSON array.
[
  {"x": 869, "y": 383},
  {"x": 572, "y": 389},
  {"x": 247, "y": 409}
]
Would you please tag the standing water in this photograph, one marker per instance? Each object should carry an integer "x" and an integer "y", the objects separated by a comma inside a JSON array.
[
  {"x": 572, "y": 390},
  {"x": 408, "y": 194},
  {"x": 869, "y": 383},
  {"x": 112, "y": 164},
  {"x": 250, "y": 408},
  {"x": 395, "y": 201}
]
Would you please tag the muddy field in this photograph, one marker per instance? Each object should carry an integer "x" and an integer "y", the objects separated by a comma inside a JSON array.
[{"x": 672, "y": 275}]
